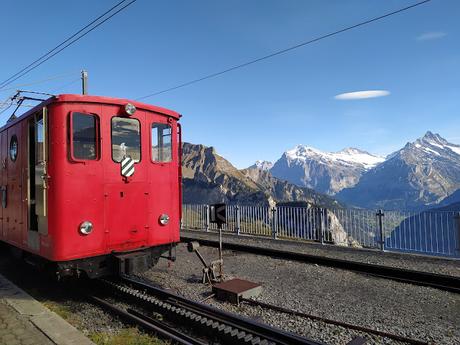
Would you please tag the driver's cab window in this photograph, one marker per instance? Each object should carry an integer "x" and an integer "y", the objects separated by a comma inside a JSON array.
[
  {"x": 126, "y": 139},
  {"x": 161, "y": 142}
]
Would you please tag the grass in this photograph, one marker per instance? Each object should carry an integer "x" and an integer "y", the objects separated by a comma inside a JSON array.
[
  {"x": 127, "y": 336},
  {"x": 62, "y": 310}
]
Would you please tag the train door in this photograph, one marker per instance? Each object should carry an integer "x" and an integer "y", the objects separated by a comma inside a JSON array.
[
  {"x": 163, "y": 173},
  {"x": 37, "y": 179},
  {"x": 4, "y": 180},
  {"x": 126, "y": 187}
]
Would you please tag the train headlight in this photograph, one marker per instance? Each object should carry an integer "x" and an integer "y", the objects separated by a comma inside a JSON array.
[
  {"x": 86, "y": 227},
  {"x": 164, "y": 219},
  {"x": 130, "y": 109}
]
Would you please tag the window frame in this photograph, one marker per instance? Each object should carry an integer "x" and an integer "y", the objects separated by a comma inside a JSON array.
[
  {"x": 15, "y": 137},
  {"x": 97, "y": 137},
  {"x": 111, "y": 137},
  {"x": 151, "y": 143}
]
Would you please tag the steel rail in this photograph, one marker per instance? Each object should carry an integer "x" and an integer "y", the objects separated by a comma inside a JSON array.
[
  {"x": 337, "y": 323},
  {"x": 433, "y": 280},
  {"x": 148, "y": 323},
  {"x": 227, "y": 327},
  {"x": 167, "y": 327}
]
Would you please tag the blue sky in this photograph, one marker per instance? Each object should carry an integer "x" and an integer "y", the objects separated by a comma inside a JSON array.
[{"x": 260, "y": 111}]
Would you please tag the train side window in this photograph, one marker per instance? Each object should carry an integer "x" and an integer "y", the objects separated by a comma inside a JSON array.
[
  {"x": 126, "y": 139},
  {"x": 161, "y": 142},
  {"x": 84, "y": 136}
]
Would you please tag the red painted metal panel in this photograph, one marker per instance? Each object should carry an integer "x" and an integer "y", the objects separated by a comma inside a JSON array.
[
  {"x": 4, "y": 179},
  {"x": 76, "y": 191},
  {"x": 127, "y": 215},
  {"x": 24, "y": 158},
  {"x": 13, "y": 211}
]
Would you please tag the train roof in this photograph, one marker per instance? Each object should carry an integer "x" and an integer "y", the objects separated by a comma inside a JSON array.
[
  {"x": 118, "y": 101},
  {"x": 73, "y": 98}
]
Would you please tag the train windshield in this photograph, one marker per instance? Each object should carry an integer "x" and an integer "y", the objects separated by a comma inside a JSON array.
[{"x": 126, "y": 139}]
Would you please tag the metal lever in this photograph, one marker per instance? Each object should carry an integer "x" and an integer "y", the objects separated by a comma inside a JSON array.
[{"x": 212, "y": 273}]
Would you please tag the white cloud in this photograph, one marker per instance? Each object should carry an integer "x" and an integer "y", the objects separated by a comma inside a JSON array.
[
  {"x": 362, "y": 94},
  {"x": 432, "y": 35}
]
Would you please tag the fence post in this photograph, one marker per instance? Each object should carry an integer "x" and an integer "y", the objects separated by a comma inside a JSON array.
[
  {"x": 457, "y": 218},
  {"x": 319, "y": 224},
  {"x": 380, "y": 215},
  {"x": 206, "y": 207},
  {"x": 274, "y": 223},
  {"x": 238, "y": 220}
]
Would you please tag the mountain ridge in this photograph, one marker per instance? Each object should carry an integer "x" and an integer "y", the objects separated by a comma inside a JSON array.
[
  {"x": 326, "y": 172},
  {"x": 210, "y": 178},
  {"x": 420, "y": 174}
]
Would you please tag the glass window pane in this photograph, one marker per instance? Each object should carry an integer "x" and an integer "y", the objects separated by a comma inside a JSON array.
[
  {"x": 161, "y": 142},
  {"x": 83, "y": 136},
  {"x": 126, "y": 139},
  {"x": 39, "y": 139}
]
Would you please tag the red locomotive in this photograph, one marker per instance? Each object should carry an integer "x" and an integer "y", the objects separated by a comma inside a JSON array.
[{"x": 91, "y": 184}]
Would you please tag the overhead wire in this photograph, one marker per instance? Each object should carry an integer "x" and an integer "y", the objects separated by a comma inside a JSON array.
[
  {"x": 8, "y": 107},
  {"x": 6, "y": 101},
  {"x": 71, "y": 40},
  {"x": 282, "y": 51},
  {"x": 9, "y": 102},
  {"x": 63, "y": 87},
  {"x": 60, "y": 44},
  {"x": 58, "y": 76},
  {"x": 18, "y": 100}
]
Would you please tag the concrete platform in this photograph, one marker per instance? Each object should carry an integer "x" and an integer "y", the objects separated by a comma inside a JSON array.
[
  {"x": 401, "y": 260},
  {"x": 25, "y": 321}
]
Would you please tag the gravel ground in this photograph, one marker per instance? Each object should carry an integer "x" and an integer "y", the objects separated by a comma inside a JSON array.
[
  {"x": 412, "y": 311},
  {"x": 409, "y": 261}
]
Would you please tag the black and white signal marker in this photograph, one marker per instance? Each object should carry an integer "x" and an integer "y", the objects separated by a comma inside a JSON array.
[{"x": 127, "y": 166}]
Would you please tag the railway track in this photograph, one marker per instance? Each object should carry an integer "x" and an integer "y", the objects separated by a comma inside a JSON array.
[
  {"x": 438, "y": 281},
  {"x": 208, "y": 324}
]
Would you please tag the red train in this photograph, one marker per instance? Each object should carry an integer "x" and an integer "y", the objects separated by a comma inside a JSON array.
[{"x": 91, "y": 184}]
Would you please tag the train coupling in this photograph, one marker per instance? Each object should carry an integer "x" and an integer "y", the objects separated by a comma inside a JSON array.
[{"x": 133, "y": 262}]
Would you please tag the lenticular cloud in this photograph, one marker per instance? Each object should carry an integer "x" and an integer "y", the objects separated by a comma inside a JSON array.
[{"x": 362, "y": 94}]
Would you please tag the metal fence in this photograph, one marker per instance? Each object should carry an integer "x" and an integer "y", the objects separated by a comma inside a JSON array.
[{"x": 426, "y": 232}]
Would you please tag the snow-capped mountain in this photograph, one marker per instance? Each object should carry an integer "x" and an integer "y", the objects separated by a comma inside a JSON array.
[
  {"x": 348, "y": 156},
  {"x": 420, "y": 174},
  {"x": 326, "y": 172},
  {"x": 262, "y": 165}
]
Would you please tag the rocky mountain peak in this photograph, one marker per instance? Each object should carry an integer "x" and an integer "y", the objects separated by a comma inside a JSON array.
[
  {"x": 353, "y": 150},
  {"x": 430, "y": 146},
  {"x": 431, "y": 137},
  {"x": 302, "y": 152}
]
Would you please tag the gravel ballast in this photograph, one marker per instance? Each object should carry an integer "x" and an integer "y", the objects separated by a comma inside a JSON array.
[
  {"x": 421, "y": 313},
  {"x": 412, "y": 311},
  {"x": 422, "y": 263}
]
